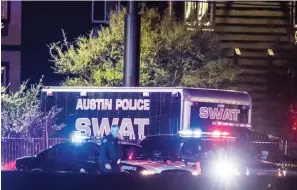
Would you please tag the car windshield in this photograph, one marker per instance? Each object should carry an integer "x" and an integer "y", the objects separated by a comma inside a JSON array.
[
  {"x": 160, "y": 148},
  {"x": 130, "y": 151},
  {"x": 44, "y": 153}
]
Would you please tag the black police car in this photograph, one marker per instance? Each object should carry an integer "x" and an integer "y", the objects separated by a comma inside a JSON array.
[
  {"x": 208, "y": 155},
  {"x": 70, "y": 157},
  {"x": 159, "y": 154}
]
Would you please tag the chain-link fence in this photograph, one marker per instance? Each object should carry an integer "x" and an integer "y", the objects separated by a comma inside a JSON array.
[{"x": 13, "y": 148}]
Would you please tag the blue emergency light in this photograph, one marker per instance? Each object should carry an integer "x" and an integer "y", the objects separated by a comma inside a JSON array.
[
  {"x": 191, "y": 133},
  {"x": 78, "y": 137}
]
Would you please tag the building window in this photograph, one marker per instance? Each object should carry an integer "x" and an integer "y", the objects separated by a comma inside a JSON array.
[
  {"x": 198, "y": 13},
  {"x": 5, "y": 17},
  {"x": 4, "y": 29},
  {"x": 5, "y": 11},
  {"x": 101, "y": 10},
  {"x": 4, "y": 74}
]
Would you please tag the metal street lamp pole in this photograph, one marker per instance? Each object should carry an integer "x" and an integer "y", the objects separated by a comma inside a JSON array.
[{"x": 132, "y": 46}]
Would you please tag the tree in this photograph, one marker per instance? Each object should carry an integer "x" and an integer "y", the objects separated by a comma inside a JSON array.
[
  {"x": 171, "y": 55},
  {"x": 21, "y": 113}
]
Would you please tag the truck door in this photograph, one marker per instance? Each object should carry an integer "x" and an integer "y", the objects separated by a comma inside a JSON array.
[{"x": 186, "y": 115}]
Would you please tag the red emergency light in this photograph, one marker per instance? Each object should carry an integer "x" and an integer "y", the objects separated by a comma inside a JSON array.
[
  {"x": 225, "y": 133},
  {"x": 218, "y": 133}
]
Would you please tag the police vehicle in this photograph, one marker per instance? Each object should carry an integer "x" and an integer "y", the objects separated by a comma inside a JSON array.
[
  {"x": 213, "y": 154},
  {"x": 159, "y": 158},
  {"x": 166, "y": 154},
  {"x": 79, "y": 155},
  {"x": 82, "y": 155},
  {"x": 146, "y": 111}
]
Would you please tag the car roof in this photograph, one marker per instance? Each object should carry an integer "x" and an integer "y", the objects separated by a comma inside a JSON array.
[
  {"x": 129, "y": 143},
  {"x": 170, "y": 137},
  {"x": 94, "y": 142},
  {"x": 164, "y": 136},
  {"x": 190, "y": 139},
  {"x": 68, "y": 143},
  {"x": 97, "y": 141}
]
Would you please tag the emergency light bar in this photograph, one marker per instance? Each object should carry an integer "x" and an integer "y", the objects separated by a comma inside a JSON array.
[
  {"x": 198, "y": 133},
  {"x": 188, "y": 133}
]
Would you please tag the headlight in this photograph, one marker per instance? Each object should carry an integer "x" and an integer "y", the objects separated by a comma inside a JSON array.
[
  {"x": 225, "y": 168},
  {"x": 147, "y": 172},
  {"x": 282, "y": 173},
  {"x": 195, "y": 173}
]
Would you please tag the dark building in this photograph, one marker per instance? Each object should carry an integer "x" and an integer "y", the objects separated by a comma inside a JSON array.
[
  {"x": 11, "y": 17},
  {"x": 255, "y": 35}
]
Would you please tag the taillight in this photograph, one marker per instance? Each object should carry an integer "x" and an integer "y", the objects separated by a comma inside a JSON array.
[{"x": 9, "y": 166}]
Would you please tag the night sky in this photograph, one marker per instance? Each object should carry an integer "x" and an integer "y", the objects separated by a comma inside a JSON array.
[{"x": 42, "y": 24}]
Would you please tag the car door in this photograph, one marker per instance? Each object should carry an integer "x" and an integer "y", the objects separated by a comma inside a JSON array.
[
  {"x": 65, "y": 159},
  {"x": 47, "y": 158},
  {"x": 87, "y": 157}
]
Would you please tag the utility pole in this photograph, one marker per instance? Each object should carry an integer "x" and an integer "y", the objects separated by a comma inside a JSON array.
[
  {"x": 132, "y": 46},
  {"x": 170, "y": 7}
]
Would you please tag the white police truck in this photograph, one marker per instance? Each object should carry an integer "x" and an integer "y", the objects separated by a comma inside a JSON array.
[{"x": 144, "y": 111}]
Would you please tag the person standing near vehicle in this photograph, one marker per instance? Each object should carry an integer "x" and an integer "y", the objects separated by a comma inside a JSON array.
[{"x": 111, "y": 152}]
